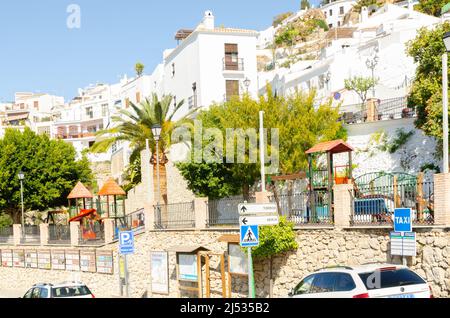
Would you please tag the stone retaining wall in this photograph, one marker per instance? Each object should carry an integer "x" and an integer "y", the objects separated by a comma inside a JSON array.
[{"x": 317, "y": 249}]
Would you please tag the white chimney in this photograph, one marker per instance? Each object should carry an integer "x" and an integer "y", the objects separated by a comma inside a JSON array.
[
  {"x": 364, "y": 14},
  {"x": 208, "y": 20}
]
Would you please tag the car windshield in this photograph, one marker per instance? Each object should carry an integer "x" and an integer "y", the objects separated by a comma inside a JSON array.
[
  {"x": 390, "y": 278},
  {"x": 73, "y": 291}
]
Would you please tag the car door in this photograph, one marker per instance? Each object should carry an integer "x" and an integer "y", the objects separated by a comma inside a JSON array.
[
  {"x": 323, "y": 286},
  {"x": 28, "y": 293},
  {"x": 36, "y": 292},
  {"x": 344, "y": 286}
]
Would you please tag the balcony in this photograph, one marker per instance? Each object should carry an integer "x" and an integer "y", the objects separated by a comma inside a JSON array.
[{"x": 229, "y": 65}]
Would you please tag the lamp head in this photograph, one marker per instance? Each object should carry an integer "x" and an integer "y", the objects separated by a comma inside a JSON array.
[
  {"x": 156, "y": 130},
  {"x": 447, "y": 41},
  {"x": 247, "y": 82},
  {"x": 21, "y": 175}
]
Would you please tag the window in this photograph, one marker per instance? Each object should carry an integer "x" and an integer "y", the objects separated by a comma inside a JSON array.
[
  {"x": 339, "y": 23},
  {"x": 173, "y": 69},
  {"x": 44, "y": 293},
  {"x": 391, "y": 278},
  {"x": 36, "y": 105},
  {"x": 232, "y": 89},
  {"x": 344, "y": 282},
  {"x": 36, "y": 293},
  {"x": 304, "y": 287},
  {"x": 127, "y": 102},
  {"x": 331, "y": 13},
  {"x": 138, "y": 97},
  {"x": 330, "y": 25},
  {"x": 104, "y": 110},
  {"x": 62, "y": 292},
  {"x": 323, "y": 283},
  {"x": 28, "y": 293},
  {"x": 89, "y": 112},
  {"x": 341, "y": 10},
  {"x": 231, "y": 57}
]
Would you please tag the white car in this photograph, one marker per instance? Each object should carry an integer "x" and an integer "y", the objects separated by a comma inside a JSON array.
[
  {"x": 63, "y": 290},
  {"x": 363, "y": 281}
]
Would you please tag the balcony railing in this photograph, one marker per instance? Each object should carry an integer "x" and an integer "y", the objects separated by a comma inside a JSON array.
[
  {"x": 223, "y": 212},
  {"x": 172, "y": 216},
  {"x": 59, "y": 234},
  {"x": 31, "y": 235},
  {"x": 233, "y": 65}
]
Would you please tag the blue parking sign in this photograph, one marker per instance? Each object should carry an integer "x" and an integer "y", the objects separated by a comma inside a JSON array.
[
  {"x": 403, "y": 220},
  {"x": 126, "y": 242}
]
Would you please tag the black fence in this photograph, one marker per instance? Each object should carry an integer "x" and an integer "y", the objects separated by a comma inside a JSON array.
[
  {"x": 375, "y": 205},
  {"x": 132, "y": 222},
  {"x": 223, "y": 212},
  {"x": 305, "y": 208},
  {"x": 92, "y": 234},
  {"x": 31, "y": 234},
  {"x": 6, "y": 235},
  {"x": 388, "y": 109},
  {"x": 175, "y": 216},
  {"x": 59, "y": 234}
]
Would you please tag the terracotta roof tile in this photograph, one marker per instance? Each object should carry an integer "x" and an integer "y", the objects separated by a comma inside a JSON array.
[
  {"x": 79, "y": 192},
  {"x": 111, "y": 188},
  {"x": 335, "y": 146}
]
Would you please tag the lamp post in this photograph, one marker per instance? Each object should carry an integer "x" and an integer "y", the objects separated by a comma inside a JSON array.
[
  {"x": 327, "y": 79},
  {"x": 445, "y": 100},
  {"x": 156, "y": 130},
  {"x": 372, "y": 64},
  {"x": 247, "y": 83},
  {"x": 21, "y": 176}
]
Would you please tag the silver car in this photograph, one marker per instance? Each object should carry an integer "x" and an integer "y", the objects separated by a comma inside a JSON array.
[{"x": 63, "y": 290}]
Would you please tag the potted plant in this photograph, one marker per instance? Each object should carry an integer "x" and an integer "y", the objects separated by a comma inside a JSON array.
[{"x": 341, "y": 177}]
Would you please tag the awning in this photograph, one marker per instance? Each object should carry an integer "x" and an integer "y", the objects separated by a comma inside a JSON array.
[
  {"x": 17, "y": 117},
  {"x": 83, "y": 214},
  {"x": 335, "y": 146}
]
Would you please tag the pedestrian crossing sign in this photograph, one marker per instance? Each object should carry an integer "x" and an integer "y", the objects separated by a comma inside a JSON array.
[{"x": 249, "y": 235}]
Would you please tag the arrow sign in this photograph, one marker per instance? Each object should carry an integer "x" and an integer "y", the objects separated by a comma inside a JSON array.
[
  {"x": 259, "y": 220},
  {"x": 255, "y": 209}
]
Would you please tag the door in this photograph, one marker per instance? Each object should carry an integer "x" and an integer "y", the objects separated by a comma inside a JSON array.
[{"x": 232, "y": 89}]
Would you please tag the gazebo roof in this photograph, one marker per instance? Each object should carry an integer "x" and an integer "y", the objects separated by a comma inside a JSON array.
[
  {"x": 80, "y": 192},
  {"x": 111, "y": 188},
  {"x": 335, "y": 146}
]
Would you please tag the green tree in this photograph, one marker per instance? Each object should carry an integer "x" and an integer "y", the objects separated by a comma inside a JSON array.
[
  {"x": 431, "y": 7},
  {"x": 426, "y": 91},
  {"x": 361, "y": 86},
  {"x": 280, "y": 18},
  {"x": 135, "y": 126},
  {"x": 305, "y": 5},
  {"x": 5, "y": 220},
  {"x": 287, "y": 36},
  {"x": 300, "y": 125},
  {"x": 275, "y": 240},
  {"x": 139, "y": 68},
  {"x": 50, "y": 168}
]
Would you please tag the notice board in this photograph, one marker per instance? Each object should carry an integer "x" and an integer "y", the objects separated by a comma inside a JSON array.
[
  {"x": 87, "y": 261},
  {"x": 73, "y": 260},
  {"x": 19, "y": 258},
  {"x": 105, "y": 262},
  {"x": 31, "y": 259},
  {"x": 44, "y": 260},
  {"x": 58, "y": 260},
  {"x": 7, "y": 258}
]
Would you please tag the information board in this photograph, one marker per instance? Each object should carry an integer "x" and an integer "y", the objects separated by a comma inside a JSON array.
[
  {"x": 19, "y": 258},
  {"x": 105, "y": 262},
  {"x": 7, "y": 258},
  {"x": 31, "y": 259},
  {"x": 73, "y": 260},
  {"x": 87, "y": 261},
  {"x": 58, "y": 260},
  {"x": 160, "y": 272},
  {"x": 187, "y": 267},
  {"x": 237, "y": 260},
  {"x": 44, "y": 259}
]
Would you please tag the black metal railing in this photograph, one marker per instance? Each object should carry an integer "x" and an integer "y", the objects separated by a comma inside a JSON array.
[
  {"x": 6, "y": 235},
  {"x": 132, "y": 222},
  {"x": 224, "y": 211},
  {"x": 388, "y": 109},
  {"x": 59, "y": 234},
  {"x": 375, "y": 205},
  {"x": 229, "y": 65},
  {"x": 173, "y": 216},
  {"x": 31, "y": 234},
  {"x": 94, "y": 234},
  {"x": 305, "y": 208}
]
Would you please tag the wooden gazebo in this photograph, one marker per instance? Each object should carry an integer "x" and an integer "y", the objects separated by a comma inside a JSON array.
[
  {"x": 80, "y": 192},
  {"x": 111, "y": 188}
]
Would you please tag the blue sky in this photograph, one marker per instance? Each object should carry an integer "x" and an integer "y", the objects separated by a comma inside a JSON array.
[{"x": 39, "y": 53}]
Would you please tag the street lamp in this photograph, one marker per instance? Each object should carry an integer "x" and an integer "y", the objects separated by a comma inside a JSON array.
[
  {"x": 156, "y": 130},
  {"x": 327, "y": 79},
  {"x": 247, "y": 83},
  {"x": 21, "y": 176},
  {"x": 445, "y": 99},
  {"x": 372, "y": 64}
]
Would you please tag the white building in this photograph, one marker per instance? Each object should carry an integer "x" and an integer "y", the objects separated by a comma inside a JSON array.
[
  {"x": 335, "y": 11},
  {"x": 210, "y": 65}
]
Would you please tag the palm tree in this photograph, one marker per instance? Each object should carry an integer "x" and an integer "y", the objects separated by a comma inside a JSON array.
[{"x": 136, "y": 127}]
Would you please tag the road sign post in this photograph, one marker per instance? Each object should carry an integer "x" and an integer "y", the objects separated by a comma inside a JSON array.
[
  {"x": 126, "y": 247},
  {"x": 251, "y": 278},
  {"x": 250, "y": 238}
]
